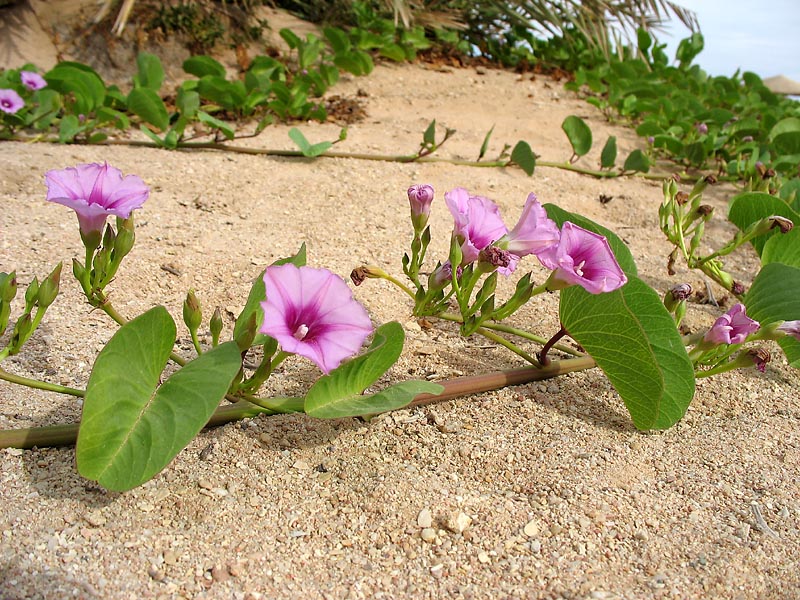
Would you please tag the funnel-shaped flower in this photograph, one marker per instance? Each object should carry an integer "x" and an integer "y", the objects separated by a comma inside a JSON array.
[
  {"x": 96, "y": 191},
  {"x": 582, "y": 258},
  {"x": 790, "y": 328},
  {"x": 533, "y": 233},
  {"x": 32, "y": 81},
  {"x": 10, "y": 101},
  {"x": 732, "y": 328},
  {"x": 311, "y": 312},
  {"x": 477, "y": 222}
]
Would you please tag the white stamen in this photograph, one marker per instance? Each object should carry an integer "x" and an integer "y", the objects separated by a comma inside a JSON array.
[
  {"x": 301, "y": 332},
  {"x": 579, "y": 268}
]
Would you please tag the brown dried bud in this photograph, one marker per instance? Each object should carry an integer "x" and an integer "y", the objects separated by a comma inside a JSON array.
[
  {"x": 704, "y": 210},
  {"x": 494, "y": 256},
  {"x": 737, "y": 288},
  {"x": 681, "y": 198},
  {"x": 681, "y": 292},
  {"x": 768, "y": 174},
  {"x": 761, "y": 357},
  {"x": 675, "y": 177},
  {"x": 710, "y": 179},
  {"x": 783, "y": 223},
  {"x": 671, "y": 262},
  {"x": 358, "y": 275}
]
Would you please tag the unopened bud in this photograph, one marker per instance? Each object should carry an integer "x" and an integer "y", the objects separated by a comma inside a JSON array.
[
  {"x": 420, "y": 198},
  {"x": 215, "y": 325},
  {"x": 702, "y": 128},
  {"x": 761, "y": 169},
  {"x": 8, "y": 286},
  {"x": 31, "y": 293},
  {"x": 784, "y": 224},
  {"x": 125, "y": 238},
  {"x": 22, "y": 331},
  {"x": 192, "y": 315},
  {"x": 48, "y": 290}
]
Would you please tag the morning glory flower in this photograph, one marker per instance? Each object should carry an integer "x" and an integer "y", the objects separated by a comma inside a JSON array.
[
  {"x": 790, "y": 328},
  {"x": 732, "y": 328},
  {"x": 477, "y": 222},
  {"x": 533, "y": 233},
  {"x": 311, "y": 312},
  {"x": 94, "y": 192},
  {"x": 582, "y": 258},
  {"x": 10, "y": 101},
  {"x": 420, "y": 197},
  {"x": 32, "y": 81}
]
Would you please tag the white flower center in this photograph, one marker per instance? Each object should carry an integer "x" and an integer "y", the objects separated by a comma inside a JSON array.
[
  {"x": 301, "y": 332},
  {"x": 579, "y": 268}
]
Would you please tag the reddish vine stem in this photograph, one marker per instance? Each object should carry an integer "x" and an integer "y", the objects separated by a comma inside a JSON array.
[{"x": 66, "y": 435}]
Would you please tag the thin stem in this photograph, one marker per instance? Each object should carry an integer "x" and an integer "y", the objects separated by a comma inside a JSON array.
[
  {"x": 196, "y": 342},
  {"x": 64, "y": 435},
  {"x": 399, "y": 284},
  {"x": 550, "y": 343},
  {"x": 534, "y": 338},
  {"x": 506, "y": 344},
  {"x": 40, "y": 385}
]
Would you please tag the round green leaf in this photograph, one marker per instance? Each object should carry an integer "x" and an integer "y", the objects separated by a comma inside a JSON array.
[
  {"x": 579, "y": 134},
  {"x": 131, "y": 428},
  {"x": 149, "y": 107},
  {"x": 775, "y": 296},
  {"x": 634, "y": 341},
  {"x": 637, "y": 162},
  {"x": 609, "y": 155},
  {"x": 749, "y": 207}
]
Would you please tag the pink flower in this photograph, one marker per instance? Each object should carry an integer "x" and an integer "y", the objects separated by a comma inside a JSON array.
[
  {"x": 311, "y": 312},
  {"x": 533, "y": 233},
  {"x": 420, "y": 197},
  {"x": 477, "y": 222},
  {"x": 10, "y": 101},
  {"x": 732, "y": 328},
  {"x": 96, "y": 191},
  {"x": 32, "y": 81},
  {"x": 790, "y": 328},
  {"x": 582, "y": 258}
]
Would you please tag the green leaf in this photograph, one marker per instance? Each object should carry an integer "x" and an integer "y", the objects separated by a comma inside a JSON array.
[
  {"x": 620, "y": 248},
  {"x": 522, "y": 155},
  {"x": 200, "y": 66},
  {"x": 215, "y": 123},
  {"x": 188, "y": 102},
  {"x": 131, "y": 427},
  {"x": 151, "y": 72},
  {"x": 429, "y": 136},
  {"x": 338, "y": 39},
  {"x": 783, "y": 248},
  {"x": 775, "y": 296},
  {"x": 149, "y": 107},
  {"x": 749, "y": 207},
  {"x": 309, "y": 150},
  {"x": 609, "y": 154},
  {"x": 785, "y": 135},
  {"x": 258, "y": 295},
  {"x": 85, "y": 85},
  {"x": 637, "y": 162},
  {"x": 68, "y": 128},
  {"x": 578, "y": 133},
  {"x": 634, "y": 341},
  {"x": 290, "y": 37},
  {"x": 485, "y": 144},
  {"x": 339, "y": 394}
]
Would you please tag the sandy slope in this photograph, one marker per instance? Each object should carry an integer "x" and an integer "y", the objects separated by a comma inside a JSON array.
[{"x": 564, "y": 497}]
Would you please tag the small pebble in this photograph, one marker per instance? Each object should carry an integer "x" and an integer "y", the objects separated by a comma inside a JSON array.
[
  {"x": 483, "y": 557},
  {"x": 219, "y": 574},
  {"x": 425, "y": 518},
  {"x": 531, "y": 529},
  {"x": 205, "y": 484},
  {"x": 428, "y": 534},
  {"x": 95, "y": 519},
  {"x": 170, "y": 557},
  {"x": 458, "y": 522}
]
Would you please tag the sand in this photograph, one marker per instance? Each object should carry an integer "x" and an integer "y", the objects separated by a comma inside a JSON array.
[{"x": 544, "y": 490}]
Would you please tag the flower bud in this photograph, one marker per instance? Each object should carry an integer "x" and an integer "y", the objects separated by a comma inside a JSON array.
[
  {"x": 702, "y": 128},
  {"x": 125, "y": 238},
  {"x": 192, "y": 315},
  {"x": 420, "y": 198},
  {"x": 31, "y": 293},
  {"x": 8, "y": 286},
  {"x": 791, "y": 328},
  {"x": 492, "y": 257},
  {"x": 676, "y": 295},
  {"x": 22, "y": 331},
  {"x": 215, "y": 325},
  {"x": 681, "y": 198},
  {"x": 48, "y": 290},
  {"x": 737, "y": 289}
]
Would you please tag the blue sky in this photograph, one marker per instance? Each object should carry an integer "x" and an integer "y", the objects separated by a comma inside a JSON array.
[{"x": 763, "y": 37}]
